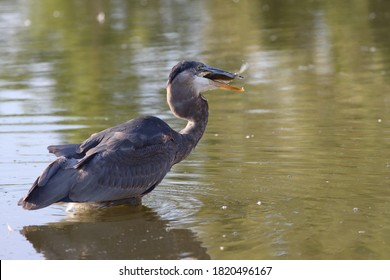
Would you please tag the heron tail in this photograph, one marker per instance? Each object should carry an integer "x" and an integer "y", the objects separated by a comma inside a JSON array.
[{"x": 52, "y": 186}]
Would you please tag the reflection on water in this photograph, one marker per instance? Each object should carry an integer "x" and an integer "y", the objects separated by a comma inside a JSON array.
[
  {"x": 117, "y": 233},
  {"x": 295, "y": 168}
]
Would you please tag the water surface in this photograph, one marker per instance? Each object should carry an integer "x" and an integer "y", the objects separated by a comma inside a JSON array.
[{"x": 298, "y": 167}]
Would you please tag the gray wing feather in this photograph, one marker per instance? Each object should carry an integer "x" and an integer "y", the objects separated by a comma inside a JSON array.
[
  {"x": 119, "y": 169},
  {"x": 51, "y": 186},
  {"x": 67, "y": 150},
  {"x": 77, "y": 150}
]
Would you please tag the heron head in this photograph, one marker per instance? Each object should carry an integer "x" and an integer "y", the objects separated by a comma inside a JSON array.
[{"x": 201, "y": 77}]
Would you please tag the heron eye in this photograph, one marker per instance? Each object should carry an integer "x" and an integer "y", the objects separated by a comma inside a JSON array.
[{"x": 198, "y": 67}]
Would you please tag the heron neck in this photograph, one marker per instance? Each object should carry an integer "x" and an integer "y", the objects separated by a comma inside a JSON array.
[
  {"x": 192, "y": 107},
  {"x": 194, "y": 130},
  {"x": 197, "y": 124}
]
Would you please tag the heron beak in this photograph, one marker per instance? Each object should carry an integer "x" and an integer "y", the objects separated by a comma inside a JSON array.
[{"x": 221, "y": 78}]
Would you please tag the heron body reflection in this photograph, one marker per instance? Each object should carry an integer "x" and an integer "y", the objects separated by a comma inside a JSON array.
[
  {"x": 123, "y": 163},
  {"x": 114, "y": 233}
]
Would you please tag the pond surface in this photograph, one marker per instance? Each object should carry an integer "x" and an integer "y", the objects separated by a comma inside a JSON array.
[{"x": 297, "y": 167}]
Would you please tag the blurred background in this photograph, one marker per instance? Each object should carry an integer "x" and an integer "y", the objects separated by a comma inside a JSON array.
[{"x": 297, "y": 167}]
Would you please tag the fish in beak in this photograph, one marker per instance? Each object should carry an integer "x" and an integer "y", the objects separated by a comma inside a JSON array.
[{"x": 220, "y": 78}]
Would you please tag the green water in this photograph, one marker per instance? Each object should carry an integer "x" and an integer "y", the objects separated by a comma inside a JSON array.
[{"x": 297, "y": 167}]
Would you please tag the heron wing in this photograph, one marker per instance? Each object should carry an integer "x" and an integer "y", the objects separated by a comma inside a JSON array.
[
  {"x": 121, "y": 162},
  {"x": 123, "y": 166}
]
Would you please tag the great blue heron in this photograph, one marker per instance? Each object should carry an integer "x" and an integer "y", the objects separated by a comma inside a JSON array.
[{"x": 123, "y": 163}]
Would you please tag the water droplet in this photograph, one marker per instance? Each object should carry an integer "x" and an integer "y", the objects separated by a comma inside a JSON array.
[
  {"x": 9, "y": 228},
  {"x": 273, "y": 38},
  {"x": 224, "y": 207},
  {"x": 101, "y": 17},
  {"x": 355, "y": 209},
  {"x": 56, "y": 14},
  {"x": 259, "y": 202}
]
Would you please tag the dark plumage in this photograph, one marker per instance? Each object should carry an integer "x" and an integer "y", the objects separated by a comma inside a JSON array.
[{"x": 123, "y": 163}]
